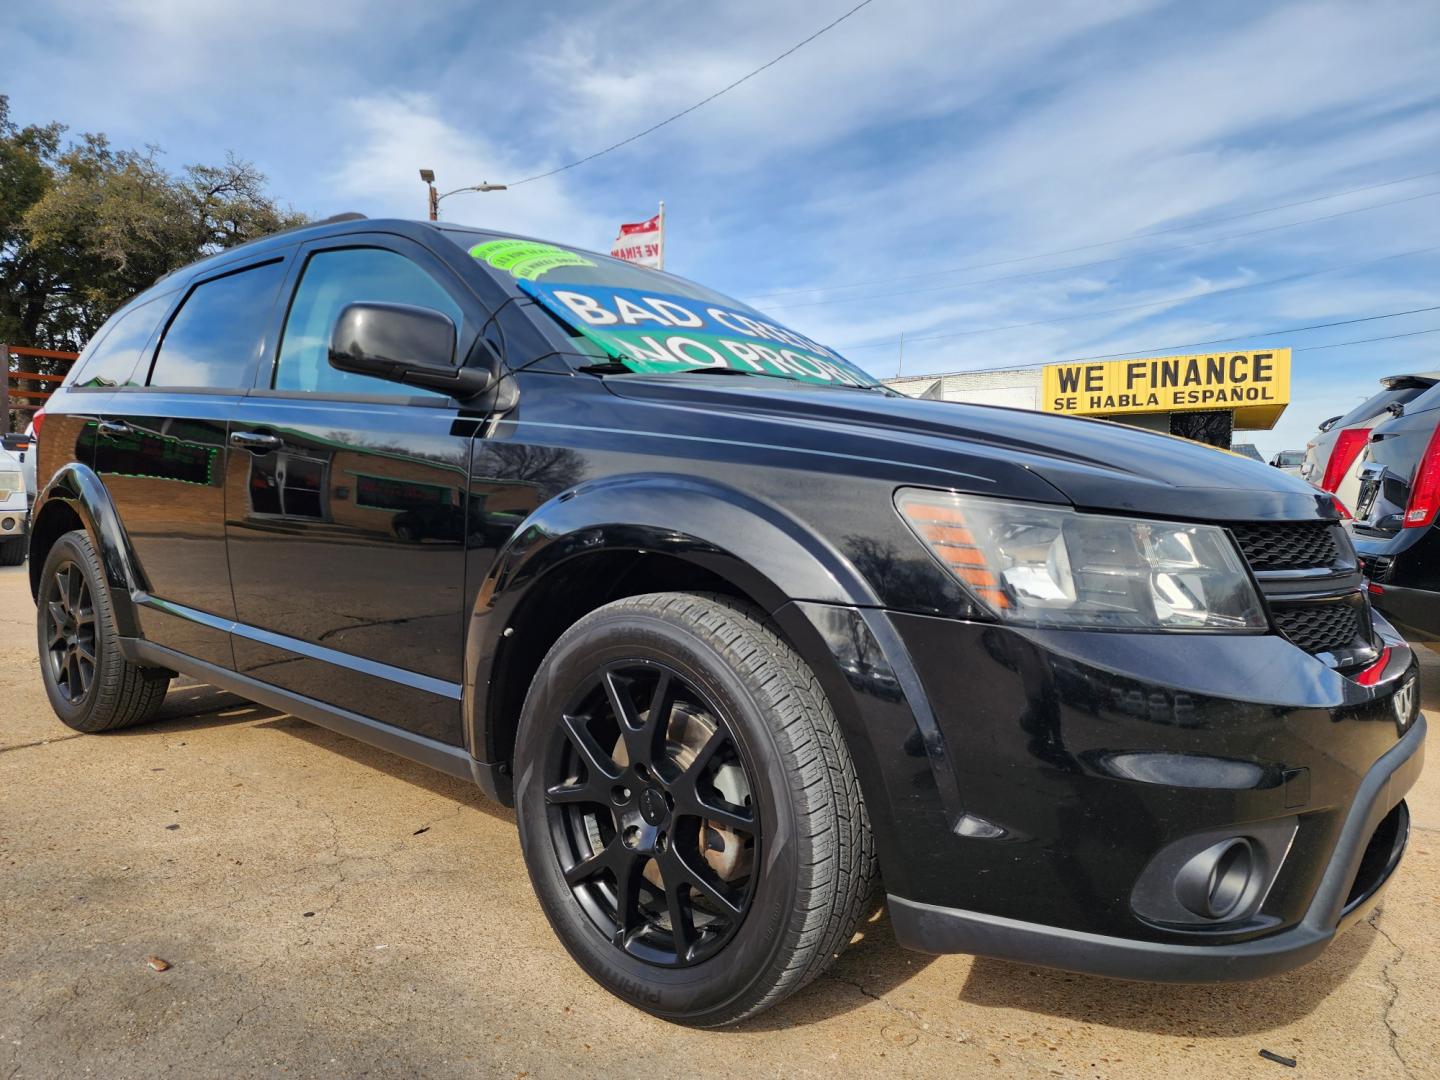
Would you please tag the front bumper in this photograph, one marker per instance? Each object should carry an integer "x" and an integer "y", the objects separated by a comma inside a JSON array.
[
  {"x": 1348, "y": 891},
  {"x": 1025, "y": 786}
]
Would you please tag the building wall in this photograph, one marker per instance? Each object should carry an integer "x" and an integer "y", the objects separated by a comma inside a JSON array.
[{"x": 1019, "y": 389}]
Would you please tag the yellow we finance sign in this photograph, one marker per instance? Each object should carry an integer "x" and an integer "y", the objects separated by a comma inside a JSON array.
[{"x": 1256, "y": 385}]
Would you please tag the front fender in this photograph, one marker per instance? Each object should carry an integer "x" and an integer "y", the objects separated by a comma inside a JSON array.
[
  {"x": 706, "y": 522},
  {"x": 758, "y": 548},
  {"x": 78, "y": 488}
]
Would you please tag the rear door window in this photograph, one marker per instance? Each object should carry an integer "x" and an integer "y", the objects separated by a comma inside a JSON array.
[
  {"x": 215, "y": 339},
  {"x": 333, "y": 279}
]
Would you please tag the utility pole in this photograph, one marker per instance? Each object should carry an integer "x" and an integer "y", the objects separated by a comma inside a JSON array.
[{"x": 899, "y": 367}]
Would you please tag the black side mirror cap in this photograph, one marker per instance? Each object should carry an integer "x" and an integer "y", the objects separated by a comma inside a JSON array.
[
  {"x": 404, "y": 344},
  {"x": 15, "y": 441}
]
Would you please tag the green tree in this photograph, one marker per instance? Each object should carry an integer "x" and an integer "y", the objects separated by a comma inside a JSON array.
[{"x": 84, "y": 227}]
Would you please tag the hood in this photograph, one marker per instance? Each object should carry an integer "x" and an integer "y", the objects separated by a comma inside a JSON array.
[{"x": 1093, "y": 464}]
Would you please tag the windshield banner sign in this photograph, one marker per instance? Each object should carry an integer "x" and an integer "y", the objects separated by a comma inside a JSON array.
[{"x": 656, "y": 332}]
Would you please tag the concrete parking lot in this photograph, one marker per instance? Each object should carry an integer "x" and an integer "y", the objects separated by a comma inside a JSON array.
[{"x": 330, "y": 910}]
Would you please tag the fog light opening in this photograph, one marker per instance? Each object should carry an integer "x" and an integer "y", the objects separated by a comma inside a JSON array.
[{"x": 1214, "y": 883}]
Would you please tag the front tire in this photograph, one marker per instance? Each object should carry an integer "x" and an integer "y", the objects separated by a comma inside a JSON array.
[
  {"x": 689, "y": 812},
  {"x": 91, "y": 686}
]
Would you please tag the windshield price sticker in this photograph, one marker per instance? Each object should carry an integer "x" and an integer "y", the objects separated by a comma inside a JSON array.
[{"x": 658, "y": 332}]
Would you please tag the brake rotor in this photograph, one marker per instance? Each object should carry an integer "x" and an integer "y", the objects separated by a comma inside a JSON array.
[{"x": 728, "y": 852}]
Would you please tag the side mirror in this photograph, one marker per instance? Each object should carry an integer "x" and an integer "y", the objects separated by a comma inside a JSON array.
[
  {"x": 15, "y": 441},
  {"x": 404, "y": 344}
]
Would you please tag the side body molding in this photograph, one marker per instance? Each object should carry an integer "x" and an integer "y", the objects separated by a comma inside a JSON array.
[{"x": 77, "y": 487}]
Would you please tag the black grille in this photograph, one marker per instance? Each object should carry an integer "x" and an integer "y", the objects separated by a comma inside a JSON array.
[
  {"x": 1287, "y": 545},
  {"x": 1319, "y": 627}
]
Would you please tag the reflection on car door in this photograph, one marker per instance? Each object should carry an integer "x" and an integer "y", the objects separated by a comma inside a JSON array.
[
  {"x": 347, "y": 549},
  {"x": 160, "y": 449}
]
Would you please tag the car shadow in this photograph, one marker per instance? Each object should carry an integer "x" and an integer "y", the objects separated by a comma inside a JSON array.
[
  {"x": 876, "y": 965},
  {"x": 362, "y": 753},
  {"x": 1212, "y": 1009},
  {"x": 872, "y": 966},
  {"x": 190, "y": 705}
]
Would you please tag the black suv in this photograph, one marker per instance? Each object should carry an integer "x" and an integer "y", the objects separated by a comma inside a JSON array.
[{"x": 739, "y": 632}]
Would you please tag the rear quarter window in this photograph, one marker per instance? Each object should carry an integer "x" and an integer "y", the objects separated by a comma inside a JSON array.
[{"x": 116, "y": 354}]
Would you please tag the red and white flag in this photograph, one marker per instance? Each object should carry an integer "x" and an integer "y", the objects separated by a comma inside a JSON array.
[{"x": 642, "y": 242}]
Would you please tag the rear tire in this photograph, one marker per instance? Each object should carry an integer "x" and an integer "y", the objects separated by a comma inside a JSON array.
[
  {"x": 790, "y": 895},
  {"x": 12, "y": 552},
  {"x": 91, "y": 686}
]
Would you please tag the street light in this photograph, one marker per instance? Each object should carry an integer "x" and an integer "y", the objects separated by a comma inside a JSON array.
[{"x": 428, "y": 177}]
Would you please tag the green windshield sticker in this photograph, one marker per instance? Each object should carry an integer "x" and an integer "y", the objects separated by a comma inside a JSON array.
[
  {"x": 526, "y": 259},
  {"x": 652, "y": 331}
]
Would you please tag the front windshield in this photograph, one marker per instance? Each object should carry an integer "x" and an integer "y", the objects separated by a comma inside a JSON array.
[{"x": 644, "y": 321}]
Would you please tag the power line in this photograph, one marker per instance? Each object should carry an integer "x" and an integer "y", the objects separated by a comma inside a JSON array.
[
  {"x": 1157, "y": 350},
  {"x": 1367, "y": 341},
  {"x": 1103, "y": 262},
  {"x": 1106, "y": 243},
  {"x": 692, "y": 108},
  {"x": 1185, "y": 299}
]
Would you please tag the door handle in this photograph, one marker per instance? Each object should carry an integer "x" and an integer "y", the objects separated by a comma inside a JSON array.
[
  {"x": 114, "y": 427},
  {"x": 257, "y": 442}
]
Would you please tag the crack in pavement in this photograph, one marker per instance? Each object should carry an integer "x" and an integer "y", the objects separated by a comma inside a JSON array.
[
  {"x": 921, "y": 1027},
  {"x": 42, "y": 742},
  {"x": 1394, "y": 988}
]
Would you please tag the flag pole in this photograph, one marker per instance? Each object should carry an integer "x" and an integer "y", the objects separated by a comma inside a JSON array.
[{"x": 662, "y": 234}]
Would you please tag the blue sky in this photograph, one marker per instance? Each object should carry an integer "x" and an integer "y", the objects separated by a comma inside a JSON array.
[{"x": 919, "y": 148}]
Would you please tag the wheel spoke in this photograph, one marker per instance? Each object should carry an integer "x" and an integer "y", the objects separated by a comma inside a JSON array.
[
  {"x": 626, "y": 867},
  {"x": 562, "y": 794},
  {"x": 85, "y": 652},
  {"x": 73, "y": 583},
  {"x": 644, "y": 735},
  {"x": 736, "y": 817},
  {"x": 57, "y": 623},
  {"x": 706, "y": 753},
  {"x": 677, "y": 903},
  {"x": 597, "y": 762},
  {"x": 700, "y": 881}
]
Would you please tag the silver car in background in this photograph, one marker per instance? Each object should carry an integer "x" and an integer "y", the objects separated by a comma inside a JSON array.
[{"x": 1331, "y": 453}]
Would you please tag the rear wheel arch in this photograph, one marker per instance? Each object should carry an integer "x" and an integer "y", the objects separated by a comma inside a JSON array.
[{"x": 76, "y": 498}]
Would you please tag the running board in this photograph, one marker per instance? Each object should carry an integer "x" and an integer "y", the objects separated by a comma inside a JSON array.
[{"x": 493, "y": 780}]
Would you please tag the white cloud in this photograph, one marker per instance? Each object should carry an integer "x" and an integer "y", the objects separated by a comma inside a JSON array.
[{"x": 387, "y": 138}]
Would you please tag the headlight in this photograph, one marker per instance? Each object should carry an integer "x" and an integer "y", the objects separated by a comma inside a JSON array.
[{"x": 1050, "y": 566}]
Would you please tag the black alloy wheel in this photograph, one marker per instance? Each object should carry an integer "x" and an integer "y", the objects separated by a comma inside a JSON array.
[
  {"x": 91, "y": 685},
  {"x": 689, "y": 813},
  {"x": 650, "y": 811},
  {"x": 68, "y": 618}
]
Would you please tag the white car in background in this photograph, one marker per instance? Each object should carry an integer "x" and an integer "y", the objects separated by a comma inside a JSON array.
[
  {"x": 1331, "y": 453},
  {"x": 14, "y": 504},
  {"x": 1289, "y": 461}
]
